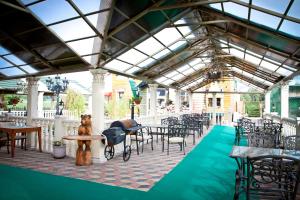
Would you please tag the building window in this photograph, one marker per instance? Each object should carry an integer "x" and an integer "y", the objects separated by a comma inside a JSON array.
[
  {"x": 121, "y": 94},
  {"x": 219, "y": 102},
  {"x": 210, "y": 102}
]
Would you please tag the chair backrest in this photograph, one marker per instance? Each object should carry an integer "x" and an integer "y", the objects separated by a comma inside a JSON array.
[
  {"x": 263, "y": 138},
  {"x": 172, "y": 120},
  {"x": 164, "y": 121},
  {"x": 272, "y": 177},
  {"x": 292, "y": 142},
  {"x": 177, "y": 130}
]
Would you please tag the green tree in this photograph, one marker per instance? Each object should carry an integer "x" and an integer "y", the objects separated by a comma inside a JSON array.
[
  {"x": 252, "y": 103},
  {"x": 75, "y": 101}
]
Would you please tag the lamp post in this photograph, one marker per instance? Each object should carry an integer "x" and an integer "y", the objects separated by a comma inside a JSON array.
[{"x": 57, "y": 86}]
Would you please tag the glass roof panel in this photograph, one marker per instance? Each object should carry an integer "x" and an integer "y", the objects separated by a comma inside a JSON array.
[
  {"x": 195, "y": 61},
  {"x": 117, "y": 65},
  {"x": 149, "y": 46},
  {"x": 183, "y": 29},
  {"x": 247, "y": 74},
  {"x": 255, "y": 54},
  {"x": 237, "y": 47},
  {"x": 12, "y": 71},
  {"x": 236, "y": 10},
  {"x": 199, "y": 66},
  {"x": 91, "y": 6},
  {"x": 3, "y": 51},
  {"x": 87, "y": 58},
  {"x": 132, "y": 70},
  {"x": 178, "y": 77},
  {"x": 237, "y": 53},
  {"x": 252, "y": 59},
  {"x": 177, "y": 45},
  {"x": 284, "y": 72},
  {"x": 183, "y": 68},
  {"x": 147, "y": 62},
  {"x": 4, "y": 63},
  {"x": 53, "y": 11},
  {"x": 168, "y": 81},
  {"x": 168, "y": 35},
  {"x": 29, "y": 69},
  {"x": 161, "y": 79},
  {"x": 28, "y": 1},
  {"x": 237, "y": 70},
  {"x": 295, "y": 9},
  {"x": 291, "y": 28},
  {"x": 268, "y": 83},
  {"x": 264, "y": 19},
  {"x": 171, "y": 74},
  {"x": 73, "y": 29},
  {"x": 279, "y": 6},
  {"x": 290, "y": 68},
  {"x": 82, "y": 47},
  {"x": 93, "y": 19},
  {"x": 132, "y": 56},
  {"x": 189, "y": 71},
  {"x": 162, "y": 54},
  {"x": 268, "y": 65},
  {"x": 258, "y": 79},
  {"x": 15, "y": 59},
  {"x": 216, "y": 6}
]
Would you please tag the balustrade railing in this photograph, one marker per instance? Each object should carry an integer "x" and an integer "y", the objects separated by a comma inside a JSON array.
[
  {"x": 70, "y": 127},
  {"x": 289, "y": 125}
]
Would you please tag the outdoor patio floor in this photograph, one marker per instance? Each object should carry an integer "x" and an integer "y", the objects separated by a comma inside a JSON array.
[
  {"x": 206, "y": 172},
  {"x": 141, "y": 172}
]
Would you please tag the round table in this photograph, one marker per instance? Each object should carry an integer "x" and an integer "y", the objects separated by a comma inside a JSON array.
[{"x": 83, "y": 154}]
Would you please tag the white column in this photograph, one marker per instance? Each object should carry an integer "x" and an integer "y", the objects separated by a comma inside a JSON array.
[
  {"x": 153, "y": 98},
  {"x": 40, "y": 104},
  {"x": 214, "y": 106},
  {"x": 32, "y": 105},
  {"x": 98, "y": 113},
  {"x": 268, "y": 102},
  {"x": 177, "y": 101},
  {"x": 285, "y": 100},
  {"x": 32, "y": 98},
  {"x": 190, "y": 97}
]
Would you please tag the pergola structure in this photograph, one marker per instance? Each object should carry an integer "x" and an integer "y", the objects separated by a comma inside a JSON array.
[{"x": 173, "y": 43}]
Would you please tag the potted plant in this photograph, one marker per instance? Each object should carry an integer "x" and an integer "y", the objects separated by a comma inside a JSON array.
[
  {"x": 137, "y": 100},
  {"x": 59, "y": 149}
]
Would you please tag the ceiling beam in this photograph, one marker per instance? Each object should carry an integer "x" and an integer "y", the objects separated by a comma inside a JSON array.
[
  {"x": 186, "y": 5},
  {"x": 224, "y": 33},
  {"x": 133, "y": 19},
  {"x": 144, "y": 72},
  {"x": 255, "y": 28},
  {"x": 28, "y": 49},
  {"x": 201, "y": 23},
  {"x": 13, "y": 6}
]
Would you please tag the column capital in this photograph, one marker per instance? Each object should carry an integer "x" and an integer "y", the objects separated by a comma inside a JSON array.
[
  {"x": 153, "y": 86},
  {"x": 32, "y": 81},
  {"x": 98, "y": 75}
]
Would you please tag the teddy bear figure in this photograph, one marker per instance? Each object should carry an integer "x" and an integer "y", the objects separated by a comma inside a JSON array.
[{"x": 83, "y": 154}]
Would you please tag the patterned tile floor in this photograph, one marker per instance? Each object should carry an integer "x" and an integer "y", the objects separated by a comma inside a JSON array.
[{"x": 140, "y": 172}]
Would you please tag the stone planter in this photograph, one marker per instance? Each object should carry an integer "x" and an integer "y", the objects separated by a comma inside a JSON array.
[{"x": 59, "y": 151}]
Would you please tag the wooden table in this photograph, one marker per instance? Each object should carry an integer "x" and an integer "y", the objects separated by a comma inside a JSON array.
[
  {"x": 12, "y": 130},
  {"x": 83, "y": 156}
]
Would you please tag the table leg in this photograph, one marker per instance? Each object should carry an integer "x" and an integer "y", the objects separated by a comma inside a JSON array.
[
  {"x": 13, "y": 144},
  {"x": 40, "y": 139}
]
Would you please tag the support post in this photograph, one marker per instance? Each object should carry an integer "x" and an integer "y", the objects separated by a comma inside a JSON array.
[
  {"x": 214, "y": 109},
  {"x": 153, "y": 98},
  {"x": 190, "y": 97},
  {"x": 32, "y": 106},
  {"x": 285, "y": 100},
  {"x": 177, "y": 101},
  {"x": 40, "y": 104},
  {"x": 268, "y": 102},
  {"x": 98, "y": 113}
]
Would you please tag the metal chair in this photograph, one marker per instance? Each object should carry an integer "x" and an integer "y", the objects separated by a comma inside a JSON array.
[
  {"x": 176, "y": 135},
  {"x": 292, "y": 142},
  {"x": 269, "y": 177}
]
